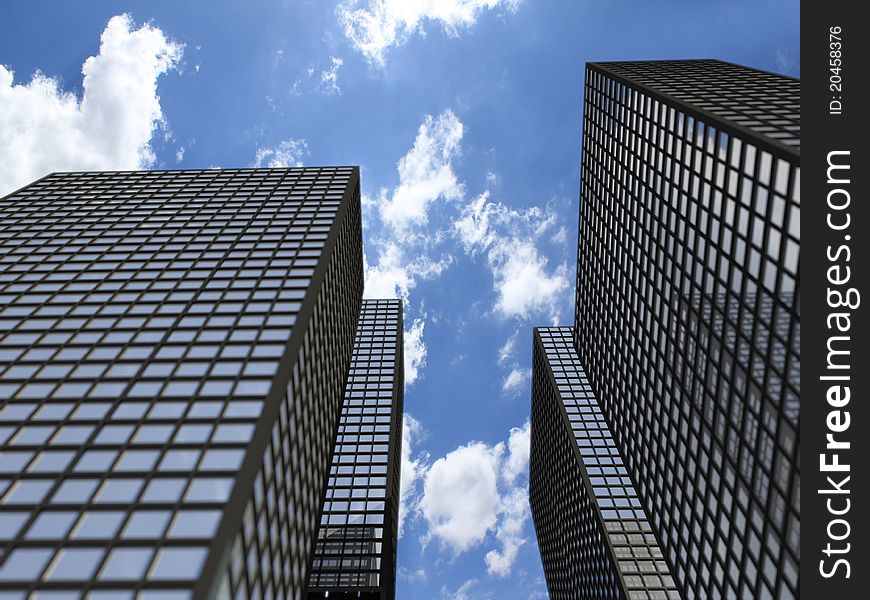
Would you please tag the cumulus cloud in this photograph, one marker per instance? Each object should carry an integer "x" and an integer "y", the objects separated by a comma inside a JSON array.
[
  {"x": 425, "y": 176},
  {"x": 460, "y": 495},
  {"x": 524, "y": 282},
  {"x": 288, "y": 153},
  {"x": 329, "y": 77},
  {"x": 380, "y": 24},
  {"x": 410, "y": 576},
  {"x": 480, "y": 489},
  {"x": 515, "y": 511},
  {"x": 394, "y": 275},
  {"x": 425, "y": 173},
  {"x": 44, "y": 128}
]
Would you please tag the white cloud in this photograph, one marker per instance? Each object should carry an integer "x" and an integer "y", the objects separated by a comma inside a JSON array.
[
  {"x": 394, "y": 275},
  {"x": 478, "y": 489},
  {"x": 524, "y": 283},
  {"x": 406, "y": 574},
  {"x": 288, "y": 153},
  {"x": 464, "y": 592},
  {"x": 329, "y": 77},
  {"x": 414, "y": 350},
  {"x": 508, "y": 349},
  {"x": 517, "y": 462},
  {"x": 460, "y": 495},
  {"x": 404, "y": 248},
  {"x": 385, "y": 23},
  {"x": 515, "y": 512},
  {"x": 45, "y": 129},
  {"x": 524, "y": 286},
  {"x": 516, "y": 379},
  {"x": 412, "y": 469},
  {"x": 179, "y": 154},
  {"x": 425, "y": 174}
]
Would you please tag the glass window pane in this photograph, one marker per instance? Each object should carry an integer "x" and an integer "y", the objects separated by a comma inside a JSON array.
[
  {"x": 98, "y": 525},
  {"x": 126, "y": 564},
  {"x": 11, "y": 523},
  {"x": 75, "y": 564},
  {"x": 164, "y": 490},
  {"x": 51, "y": 525},
  {"x": 195, "y": 524},
  {"x": 119, "y": 490},
  {"x": 178, "y": 563},
  {"x": 146, "y": 524},
  {"x": 75, "y": 491},
  {"x": 209, "y": 489},
  {"x": 25, "y": 564},
  {"x": 29, "y": 491}
]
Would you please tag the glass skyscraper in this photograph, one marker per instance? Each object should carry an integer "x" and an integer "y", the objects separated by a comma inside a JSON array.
[
  {"x": 355, "y": 554},
  {"x": 174, "y": 348},
  {"x": 687, "y": 321},
  {"x": 595, "y": 539}
]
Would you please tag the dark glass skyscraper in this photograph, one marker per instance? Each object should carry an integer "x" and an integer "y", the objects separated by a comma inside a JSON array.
[
  {"x": 174, "y": 351},
  {"x": 355, "y": 555},
  {"x": 593, "y": 533},
  {"x": 688, "y": 321}
]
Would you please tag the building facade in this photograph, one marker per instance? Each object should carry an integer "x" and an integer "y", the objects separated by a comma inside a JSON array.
[
  {"x": 595, "y": 539},
  {"x": 174, "y": 348},
  {"x": 687, "y": 319},
  {"x": 355, "y": 552}
]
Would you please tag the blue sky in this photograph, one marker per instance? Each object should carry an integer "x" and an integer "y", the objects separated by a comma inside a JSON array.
[{"x": 465, "y": 117}]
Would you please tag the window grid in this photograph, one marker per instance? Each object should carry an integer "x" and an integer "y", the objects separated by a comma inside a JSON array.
[
  {"x": 144, "y": 317},
  {"x": 593, "y": 534},
  {"x": 688, "y": 320},
  {"x": 355, "y": 550}
]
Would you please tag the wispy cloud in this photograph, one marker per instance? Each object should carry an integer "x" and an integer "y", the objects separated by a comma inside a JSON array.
[
  {"x": 324, "y": 83},
  {"x": 525, "y": 284},
  {"x": 516, "y": 380},
  {"x": 414, "y": 350},
  {"x": 413, "y": 467},
  {"x": 381, "y": 24},
  {"x": 288, "y": 153},
  {"x": 329, "y": 77},
  {"x": 45, "y": 129}
]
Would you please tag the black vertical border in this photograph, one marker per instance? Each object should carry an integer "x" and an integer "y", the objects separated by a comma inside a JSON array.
[{"x": 822, "y": 133}]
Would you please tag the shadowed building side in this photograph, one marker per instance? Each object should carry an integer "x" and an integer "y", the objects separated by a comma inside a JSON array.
[
  {"x": 355, "y": 551},
  {"x": 594, "y": 538},
  {"x": 688, "y": 314}
]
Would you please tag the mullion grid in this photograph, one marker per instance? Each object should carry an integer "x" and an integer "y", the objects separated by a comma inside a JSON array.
[
  {"x": 764, "y": 103},
  {"x": 353, "y": 551},
  {"x": 599, "y": 149},
  {"x": 635, "y": 551},
  {"x": 243, "y": 411},
  {"x": 570, "y": 535},
  {"x": 270, "y": 554}
]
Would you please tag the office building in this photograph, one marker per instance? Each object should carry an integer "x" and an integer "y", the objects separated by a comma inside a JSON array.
[
  {"x": 173, "y": 354},
  {"x": 595, "y": 539},
  {"x": 355, "y": 553},
  {"x": 687, "y": 320}
]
